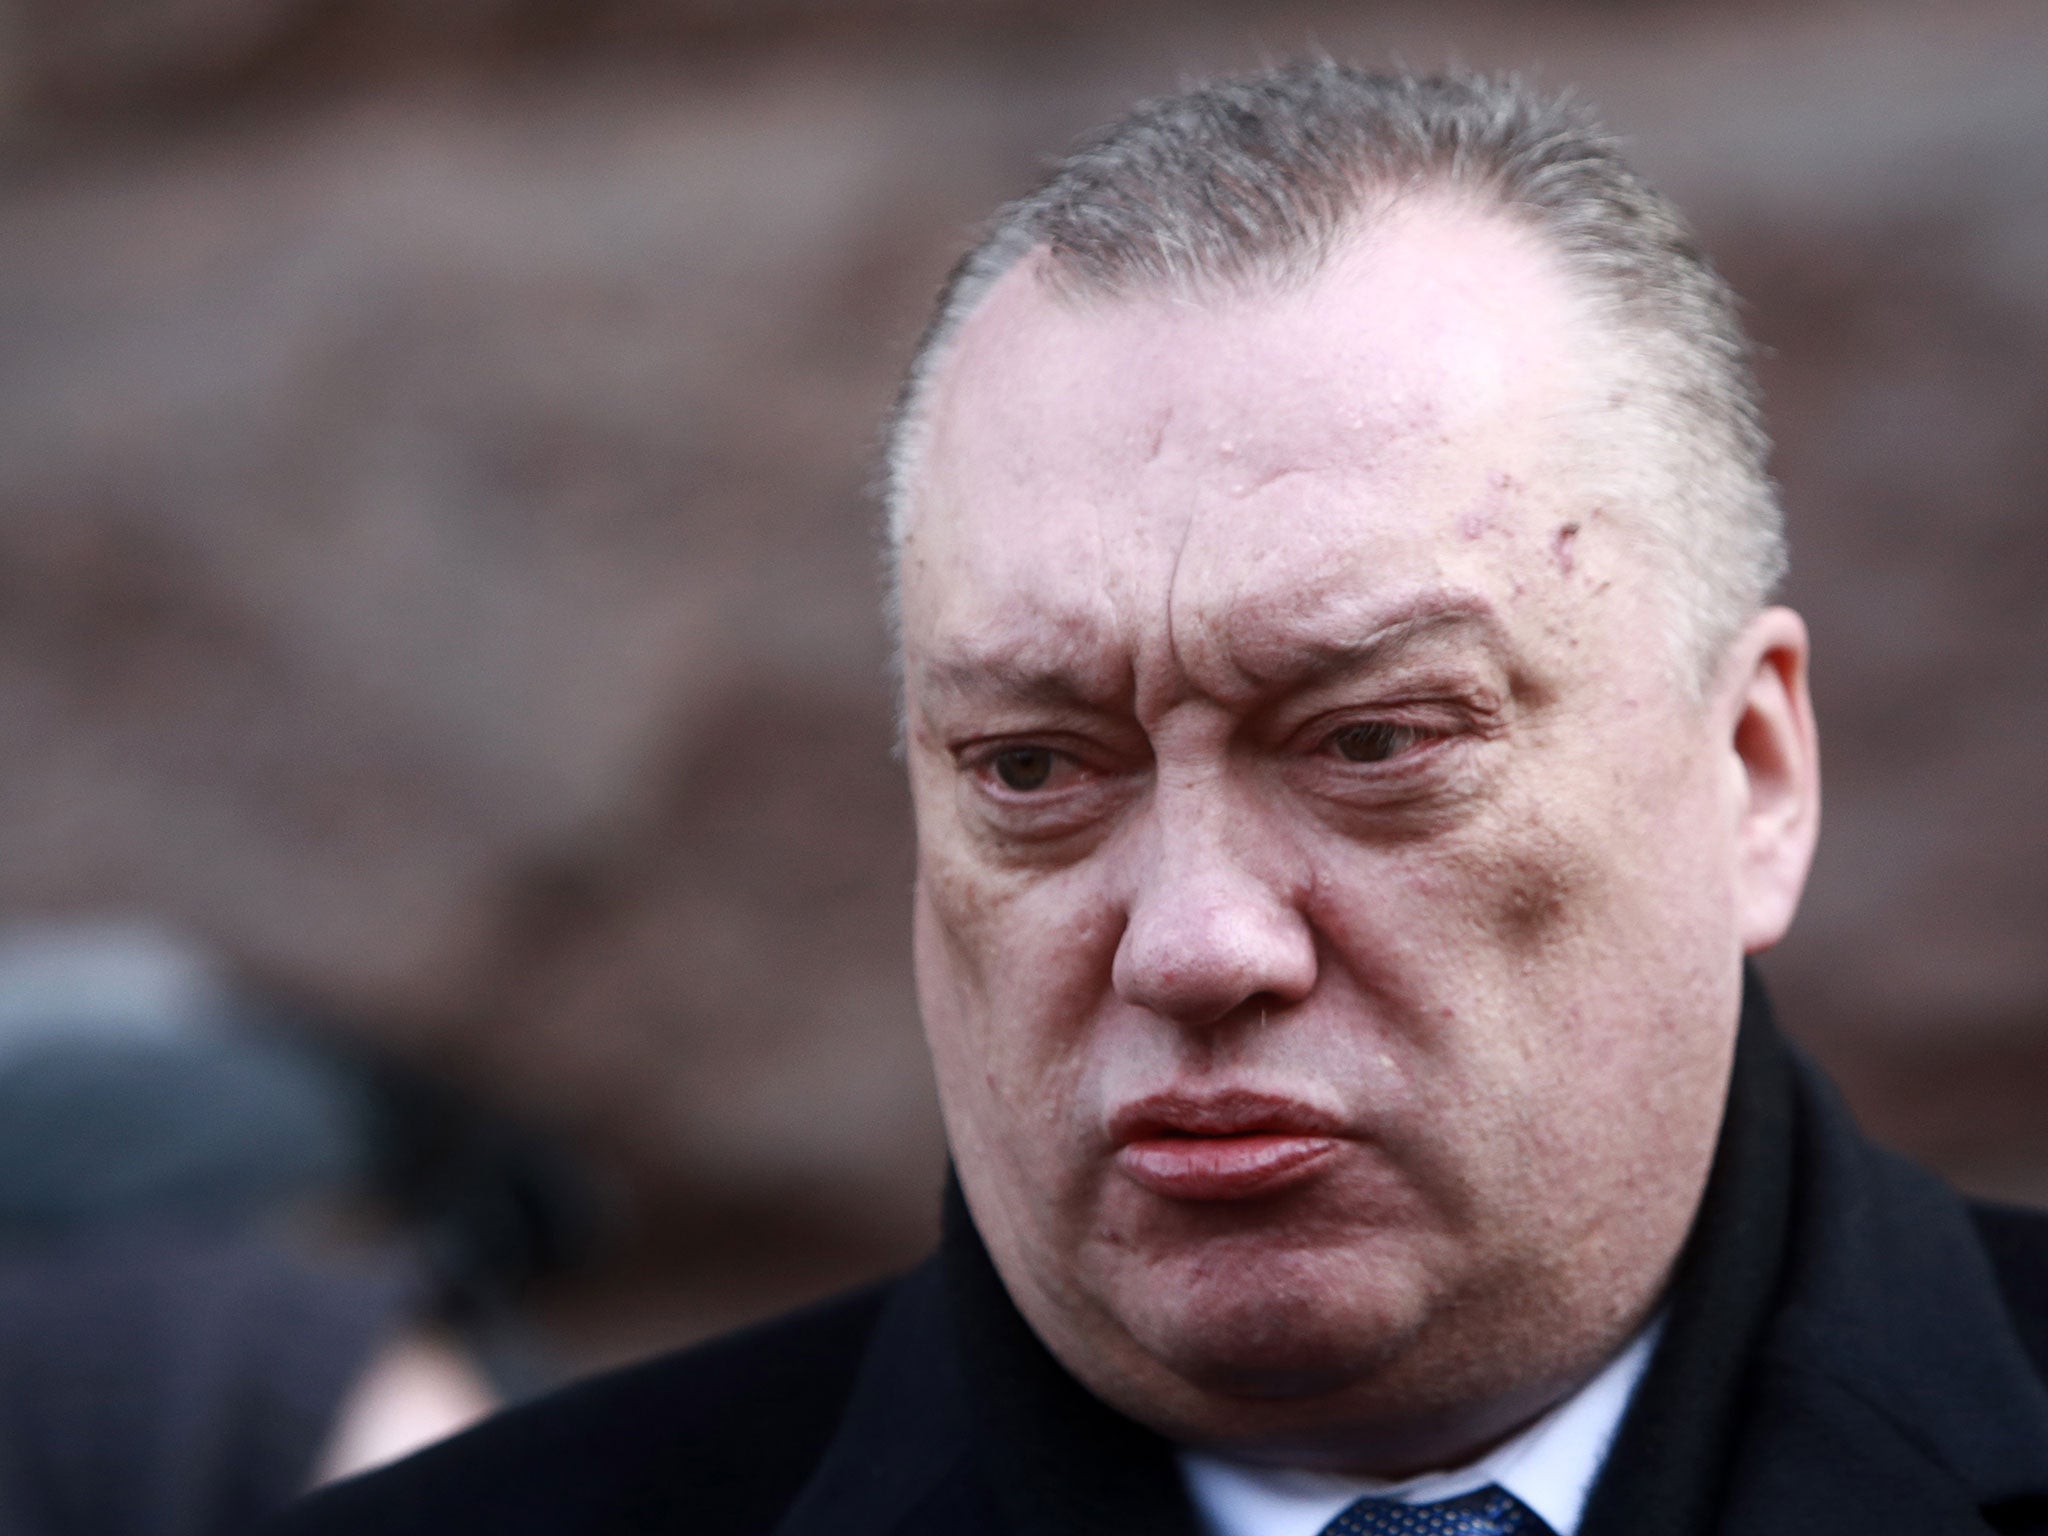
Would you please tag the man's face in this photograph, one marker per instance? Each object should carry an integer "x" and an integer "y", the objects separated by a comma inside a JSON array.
[{"x": 1327, "y": 914}]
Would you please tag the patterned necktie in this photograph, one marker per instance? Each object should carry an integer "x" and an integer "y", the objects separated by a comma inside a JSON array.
[{"x": 1491, "y": 1511}]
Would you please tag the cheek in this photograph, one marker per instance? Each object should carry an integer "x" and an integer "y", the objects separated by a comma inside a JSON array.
[
  {"x": 1008, "y": 998},
  {"x": 1011, "y": 971},
  {"x": 1619, "y": 850},
  {"x": 1504, "y": 949},
  {"x": 1529, "y": 893},
  {"x": 959, "y": 905},
  {"x": 958, "y": 987},
  {"x": 1458, "y": 915},
  {"x": 1006, "y": 937},
  {"x": 1564, "y": 944}
]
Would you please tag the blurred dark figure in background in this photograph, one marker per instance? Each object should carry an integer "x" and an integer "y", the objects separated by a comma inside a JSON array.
[{"x": 235, "y": 1262}]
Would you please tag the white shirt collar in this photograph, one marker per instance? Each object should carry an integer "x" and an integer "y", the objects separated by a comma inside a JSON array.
[{"x": 1550, "y": 1466}]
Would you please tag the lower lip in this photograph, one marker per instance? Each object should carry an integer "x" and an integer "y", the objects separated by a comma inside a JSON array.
[{"x": 1223, "y": 1167}]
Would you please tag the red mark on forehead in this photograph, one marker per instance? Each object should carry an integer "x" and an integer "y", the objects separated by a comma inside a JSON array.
[{"x": 1561, "y": 544}]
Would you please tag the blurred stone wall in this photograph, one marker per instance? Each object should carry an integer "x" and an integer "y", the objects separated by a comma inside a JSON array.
[{"x": 436, "y": 564}]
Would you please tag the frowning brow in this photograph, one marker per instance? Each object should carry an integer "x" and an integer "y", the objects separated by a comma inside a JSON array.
[
  {"x": 1303, "y": 650},
  {"x": 1296, "y": 648},
  {"x": 1016, "y": 674}
]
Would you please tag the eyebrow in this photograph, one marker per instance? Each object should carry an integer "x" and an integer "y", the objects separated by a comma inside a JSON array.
[
  {"x": 1015, "y": 674},
  {"x": 1295, "y": 657},
  {"x": 1291, "y": 656}
]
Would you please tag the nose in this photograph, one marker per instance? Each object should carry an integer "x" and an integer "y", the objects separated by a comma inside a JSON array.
[{"x": 1214, "y": 919}]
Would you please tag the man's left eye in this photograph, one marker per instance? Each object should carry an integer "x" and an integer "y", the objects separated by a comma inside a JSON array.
[
  {"x": 1374, "y": 741},
  {"x": 1023, "y": 768}
]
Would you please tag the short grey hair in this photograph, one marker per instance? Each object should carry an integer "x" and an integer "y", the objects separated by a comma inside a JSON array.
[{"x": 1255, "y": 180}]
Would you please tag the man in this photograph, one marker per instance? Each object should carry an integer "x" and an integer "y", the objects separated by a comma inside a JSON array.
[{"x": 1353, "y": 754}]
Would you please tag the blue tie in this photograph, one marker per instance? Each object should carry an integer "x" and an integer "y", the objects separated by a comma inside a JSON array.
[{"x": 1491, "y": 1511}]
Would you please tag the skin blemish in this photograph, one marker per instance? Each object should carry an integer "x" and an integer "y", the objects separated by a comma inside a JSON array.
[
  {"x": 1157, "y": 442},
  {"x": 1561, "y": 547},
  {"x": 1477, "y": 521},
  {"x": 1261, "y": 482}
]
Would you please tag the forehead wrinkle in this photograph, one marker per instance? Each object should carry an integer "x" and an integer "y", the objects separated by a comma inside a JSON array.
[{"x": 1176, "y": 667}]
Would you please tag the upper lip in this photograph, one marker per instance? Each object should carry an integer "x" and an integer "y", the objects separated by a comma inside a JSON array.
[{"x": 1223, "y": 1112}]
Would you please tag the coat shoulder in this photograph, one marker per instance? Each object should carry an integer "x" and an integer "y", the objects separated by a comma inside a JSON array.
[
  {"x": 2015, "y": 1239},
  {"x": 714, "y": 1439}
]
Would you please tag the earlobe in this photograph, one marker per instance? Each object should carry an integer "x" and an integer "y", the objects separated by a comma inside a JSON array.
[{"x": 1777, "y": 753}]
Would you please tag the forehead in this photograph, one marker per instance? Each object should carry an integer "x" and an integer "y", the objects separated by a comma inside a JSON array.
[{"x": 1393, "y": 429}]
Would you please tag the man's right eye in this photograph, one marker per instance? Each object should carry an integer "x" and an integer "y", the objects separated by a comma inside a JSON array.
[{"x": 1023, "y": 768}]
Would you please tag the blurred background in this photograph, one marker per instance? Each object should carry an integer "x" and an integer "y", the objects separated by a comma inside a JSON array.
[{"x": 437, "y": 574}]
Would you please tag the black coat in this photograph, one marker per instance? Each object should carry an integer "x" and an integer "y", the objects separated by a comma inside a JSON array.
[{"x": 1850, "y": 1349}]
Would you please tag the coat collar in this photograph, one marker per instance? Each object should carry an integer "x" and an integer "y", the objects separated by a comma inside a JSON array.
[
  {"x": 1837, "y": 1360},
  {"x": 1891, "y": 1392},
  {"x": 962, "y": 1423},
  {"x": 904, "y": 1437}
]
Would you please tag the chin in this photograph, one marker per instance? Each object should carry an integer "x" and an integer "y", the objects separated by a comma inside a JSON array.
[{"x": 1276, "y": 1326}]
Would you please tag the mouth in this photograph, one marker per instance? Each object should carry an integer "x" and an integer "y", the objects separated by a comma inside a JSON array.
[{"x": 1230, "y": 1146}]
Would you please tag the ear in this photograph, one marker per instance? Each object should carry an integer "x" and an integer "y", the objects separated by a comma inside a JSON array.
[{"x": 1776, "y": 758}]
